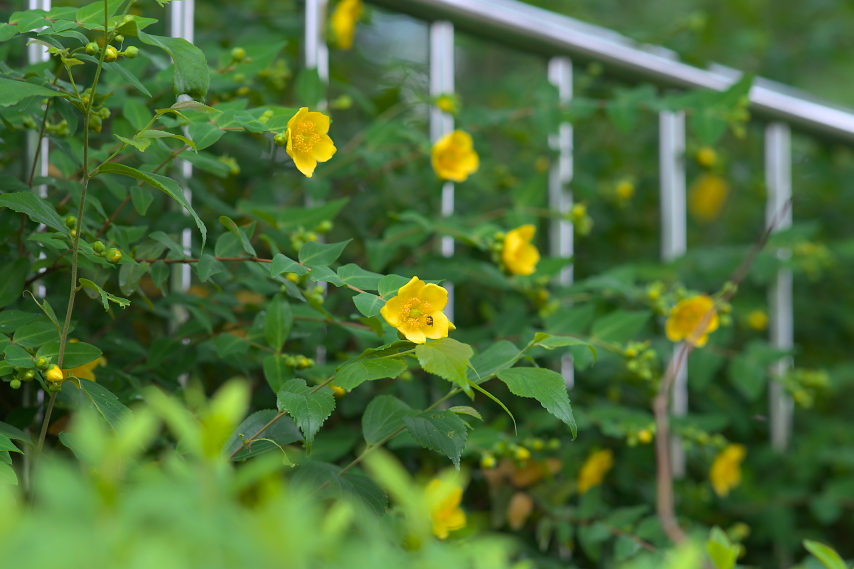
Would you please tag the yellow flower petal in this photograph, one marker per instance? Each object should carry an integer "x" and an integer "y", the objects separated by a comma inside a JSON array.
[
  {"x": 726, "y": 469},
  {"x": 320, "y": 121},
  {"x": 687, "y": 317},
  {"x": 439, "y": 328},
  {"x": 518, "y": 254},
  {"x": 594, "y": 469},
  {"x": 325, "y": 149},
  {"x": 454, "y": 157},
  {"x": 305, "y": 164},
  {"x": 435, "y": 295},
  {"x": 344, "y": 19},
  {"x": 391, "y": 311}
]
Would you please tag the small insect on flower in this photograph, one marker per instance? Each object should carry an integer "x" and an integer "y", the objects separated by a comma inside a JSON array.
[{"x": 429, "y": 320}]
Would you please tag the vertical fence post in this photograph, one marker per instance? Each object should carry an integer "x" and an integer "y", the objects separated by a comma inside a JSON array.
[
  {"x": 441, "y": 123},
  {"x": 778, "y": 176},
  {"x": 674, "y": 242},
  {"x": 182, "y": 25},
  {"x": 316, "y": 57},
  {"x": 561, "y": 242}
]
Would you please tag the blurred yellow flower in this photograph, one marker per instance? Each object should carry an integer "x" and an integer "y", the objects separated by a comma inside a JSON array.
[
  {"x": 707, "y": 157},
  {"x": 448, "y": 103},
  {"x": 625, "y": 189},
  {"x": 707, "y": 197},
  {"x": 444, "y": 498},
  {"x": 726, "y": 469},
  {"x": 594, "y": 469},
  {"x": 519, "y": 255},
  {"x": 454, "y": 157},
  {"x": 758, "y": 320},
  {"x": 686, "y": 318},
  {"x": 344, "y": 19},
  {"x": 308, "y": 142},
  {"x": 417, "y": 311},
  {"x": 86, "y": 371}
]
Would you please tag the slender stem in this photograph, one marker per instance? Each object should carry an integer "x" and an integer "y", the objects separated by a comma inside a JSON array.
[{"x": 45, "y": 424}]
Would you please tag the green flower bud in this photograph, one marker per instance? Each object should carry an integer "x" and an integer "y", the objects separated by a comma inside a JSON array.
[
  {"x": 113, "y": 255},
  {"x": 43, "y": 363},
  {"x": 131, "y": 52},
  {"x": 120, "y": 38},
  {"x": 99, "y": 247},
  {"x": 92, "y": 48},
  {"x": 112, "y": 54},
  {"x": 70, "y": 221},
  {"x": 15, "y": 384},
  {"x": 238, "y": 54},
  {"x": 29, "y": 375},
  {"x": 281, "y": 138}
]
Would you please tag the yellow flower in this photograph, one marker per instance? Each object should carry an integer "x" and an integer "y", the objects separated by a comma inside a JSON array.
[
  {"x": 625, "y": 189},
  {"x": 448, "y": 103},
  {"x": 686, "y": 317},
  {"x": 308, "y": 142},
  {"x": 707, "y": 197},
  {"x": 707, "y": 157},
  {"x": 519, "y": 256},
  {"x": 55, "y": 375},
  {"x": 758, "y": 320},
  {"x": 726, "y": 469},
  {"x": 417, "y": 311},
  {"x": 594, "y": 469},
  {"x": 454, "y": 157},
  {"x": 444, "y": 498},
  {"x": 344, "y": 19}
]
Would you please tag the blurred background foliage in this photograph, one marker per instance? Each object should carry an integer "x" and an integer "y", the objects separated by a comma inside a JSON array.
[{"x": 379, "y": 101}]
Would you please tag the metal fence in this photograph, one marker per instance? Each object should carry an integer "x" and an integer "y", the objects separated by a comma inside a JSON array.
[{"x": 562, "y": 39}]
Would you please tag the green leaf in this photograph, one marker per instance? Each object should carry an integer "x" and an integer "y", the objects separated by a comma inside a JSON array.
[
  {"x": 282, "y": 264},
  {"x": 621, "y": 325},
  {"x": 13, "y": 282},
  {"x": 723, "y": 553},
  {"x": 546, "y": 386},
  {"x": 322, "y": 478},
  {"x": 310, "y": 87},
  {"x": 278, "y": 322},
  {"x": 441, "y": 431},
  {"x": 107, "y": 404},
  {"x": 229, "y": 344},
  {"x": 204, "y": 134},
  {"x": 551, "y": 342},
  {"x": 18, "y": 356},
  {"x": 321, "y": 273},
  {"x": 105, "y": 296},
  {"x": 192, "y": 75},
  {"x": 35, "y": 334},
  {"x": 237, "y": 232},
  {"x": 76, "y": 354},
  {"x": 283, "y": 432},
  {"x": 8, "y": 445},
  {"x": 353, "y": 374},
  {"x": 368, "y": 304},
  {"x": 390, "y": 284},
  {"x": 276, "y": 372},
  {"x": 35, "y": 207},
  {"x": 314, "y": 254},
  {"x": 12, "y": 91},
  {"x": 14, "y": 433},
  {"x": 383, "y": 416},
  {"x": 309, "y": 410},
  {"x": 447, "y": 358},
  {"x": 498, "y": 356},
  {"x": 356, "y": 276},
  {"x": 825, "y": 554},
  {"x": 7, "y": 475},
  {"x": 208, "y": 266},
  {"x": 11, "y": 320},
  {"x": 167, "y": 185},
  {"x": 466, "y": 410}
]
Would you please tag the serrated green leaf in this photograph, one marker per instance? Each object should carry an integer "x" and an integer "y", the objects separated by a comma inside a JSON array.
[
  {"x": 441, "y": 431},
  {"x": 546, "y": 386},
  {"x": 192, "y": 74},
  {"x": 551, "y": 342},
  {"x": 140, "y": 144},
  {"x": 498, "y": 356},
  {"x": 383, "y": 416},
  {"x": 283, "y": 432},
  {"x": 466, "y": 410},
  {"x": 447, "y": 358},
  {"x": 276, "y": 371},
  {"x": 308, "y": 409}
]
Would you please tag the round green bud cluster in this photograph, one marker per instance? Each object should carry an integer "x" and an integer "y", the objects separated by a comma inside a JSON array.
[{"x": 641, "y": 361}]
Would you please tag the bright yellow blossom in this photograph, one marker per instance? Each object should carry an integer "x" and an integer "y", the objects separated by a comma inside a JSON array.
[
  {"x": 344, "y": 19},
  {"x": 55, "y": 375},
  {"x": 594, "y": 469},
  {"x": 519, "y": 255},
  {"x": 726, "y": 469},
  {"x": 686, "y": 318},
  {"x": 417, "y": 311},
  {"x": 758, "y": 320},
  {"x": 454, "y": 157},
  {"x": 86, "y": 371},
  {"x": 707, "y": 197},
  {"x": 308, "y": 142},
  {"x": 444, "y": 498}
]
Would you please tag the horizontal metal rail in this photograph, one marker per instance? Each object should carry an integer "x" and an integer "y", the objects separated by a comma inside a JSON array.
[{"x": 534, "y": 29}]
